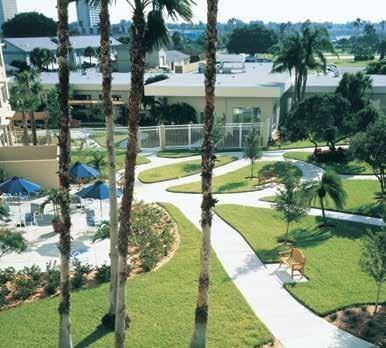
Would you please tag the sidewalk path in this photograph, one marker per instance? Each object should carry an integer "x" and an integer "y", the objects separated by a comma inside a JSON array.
[{"x": 288, "y": 320}]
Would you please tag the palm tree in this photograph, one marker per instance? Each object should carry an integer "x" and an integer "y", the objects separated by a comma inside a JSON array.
[
  {"x": 382, "y": 45},
  {"x": 357, "y": 25},
  {"x": 105, "y": 56},
  {"x": 97, "y": 160},
  {"x": 89, "y": 52},
  {"x": 208, "y": 162},
  {"x": 26, "y": 98},
  {"x": 300, "y": 52},
  {"x": 146, "y": 33},
  {"x": 329, "y": 186},
  {"x": 65, "y": 340}
]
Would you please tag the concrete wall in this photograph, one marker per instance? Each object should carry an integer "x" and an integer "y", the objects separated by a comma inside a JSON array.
[{"x": 38, "y": 164}]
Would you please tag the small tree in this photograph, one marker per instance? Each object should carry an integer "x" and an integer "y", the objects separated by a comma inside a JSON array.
[
  {"x": 373, "y": 259},
  {"x": 90, "y": 53},
  {"x": 218, "y": 132},
  {"x": 98, "y": 160},
  {"x": 329, "y": 186},
  {"x": 290, "y": 202},
  {"x": 252, "y": 150},
  {"x": 370, "y": 148},
  {"x": 11, "y": 242}
]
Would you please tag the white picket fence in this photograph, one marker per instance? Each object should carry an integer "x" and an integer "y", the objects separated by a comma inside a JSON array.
[{"x": 188, "y": 136}]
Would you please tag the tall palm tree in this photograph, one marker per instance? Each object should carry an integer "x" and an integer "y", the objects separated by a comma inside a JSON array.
[
  {"x": 382, "y": 45},
  {"x": 146, "y": 33},
  {"x": 329, "y": 186},
  {"x": 208, "y": 162},
  {"x": 300, "y": 52},
  {"x": 65, "y": 340},
  {"x": 26, "y": 98},
  {"x": 357, "y": 25},
  {"x": 105, "y": 57}
]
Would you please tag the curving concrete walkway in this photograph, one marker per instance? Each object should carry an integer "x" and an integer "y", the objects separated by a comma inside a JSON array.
[{"x": 288, "y": 320}]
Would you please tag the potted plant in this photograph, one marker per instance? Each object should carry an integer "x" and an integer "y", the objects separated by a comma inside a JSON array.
[
  {"x": 56, "y": 224},
  {"x": 53, "y": 197}
]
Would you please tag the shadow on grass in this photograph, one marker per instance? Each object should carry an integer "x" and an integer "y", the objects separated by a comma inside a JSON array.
[
  {"x": 189, "y": 168},
  {"x": 282, "y": 169},
  {"x": 93, "y": 337},
  {"x": 231, "y": 186}
]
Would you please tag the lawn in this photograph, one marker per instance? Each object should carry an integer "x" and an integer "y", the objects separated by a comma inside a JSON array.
[
  {"x": 286, "y": 145},
  {"x": 178, "y": 170},
  {"x": 160, "y": 304},
  {"x": 85, "y": 156},
  {"x": 332, "y": 255},
  {"x": 360, "y": 198},
  {"x": 100, "y": 138},
  {"x": 238, "y": 180},
  {"x": 350, "y": 168},
  {"x": 177, "y": 153}
]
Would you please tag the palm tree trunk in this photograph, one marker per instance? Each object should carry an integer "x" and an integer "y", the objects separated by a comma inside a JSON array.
[
  {"x": 33, "y": 127},
  {"x": 108, "y": 111},
  {"x": 323, "y": 211},
  {"x": 208, "y": 162},
  {"x": 25, "y": 129},
  {"x": 304, "y": 86},
  {"x": 377, "y": 299},
  {"x": 137, "y": 54},
  {"x": 65, "y": 340}
]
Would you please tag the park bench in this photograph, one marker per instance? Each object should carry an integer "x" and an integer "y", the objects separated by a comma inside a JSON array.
[
  {"x": 294, "y": 259},
  {"x": 267, "y": 177}
]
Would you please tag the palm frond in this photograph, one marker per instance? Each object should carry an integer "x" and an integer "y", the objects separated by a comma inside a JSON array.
[{"x": 156, "y": 34}]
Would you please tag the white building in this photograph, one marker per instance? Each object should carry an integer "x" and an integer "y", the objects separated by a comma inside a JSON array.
[
  {"x": 88, "y": 17},
  {"x": 8, "y": 10}
]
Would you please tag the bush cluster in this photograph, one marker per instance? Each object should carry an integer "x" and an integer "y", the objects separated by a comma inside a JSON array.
[
  {"x": 80, "y": 273},
  {"x": 328, "y": 156},
  {"x": 152, "y": 234}
]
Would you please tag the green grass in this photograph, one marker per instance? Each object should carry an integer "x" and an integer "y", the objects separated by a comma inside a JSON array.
[
  {"x": 350, "y": 168},
  {"x": 160, "y": 304},
  {"x": 332, "y": 255},
  {"x": 85, "y": 156},
  {"x": 361, "y": 198},
  {"x": 238, "y": 180},
  {"x": 178, "y": 170},
  {"x": 287, "y": 145},
  {"x": 177, "y": 153},
  {"x": 100, "y": 138}
]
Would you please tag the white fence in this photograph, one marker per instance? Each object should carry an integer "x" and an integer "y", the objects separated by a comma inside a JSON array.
[{"x": 232, "y": 136}]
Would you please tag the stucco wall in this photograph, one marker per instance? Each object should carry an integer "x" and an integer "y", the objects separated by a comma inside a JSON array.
[{"x": 38, "y": 164}]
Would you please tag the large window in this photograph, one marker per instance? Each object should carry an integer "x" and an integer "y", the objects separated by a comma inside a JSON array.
[{"x": 246, "y": 115}]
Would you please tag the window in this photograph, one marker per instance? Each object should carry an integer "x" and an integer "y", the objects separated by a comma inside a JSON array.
[{"x": 246, "y": 115}]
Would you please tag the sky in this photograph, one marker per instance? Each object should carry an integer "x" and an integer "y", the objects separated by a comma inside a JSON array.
[{"x": 338, "y": 11}]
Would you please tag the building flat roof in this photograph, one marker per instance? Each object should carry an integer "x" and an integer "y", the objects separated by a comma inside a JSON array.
[{"x": 27, "y": 44}]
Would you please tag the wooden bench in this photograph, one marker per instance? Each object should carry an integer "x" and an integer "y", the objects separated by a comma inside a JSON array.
[
  {"x": 267, "y": 177},
  {"x": 294, "y": 259}
]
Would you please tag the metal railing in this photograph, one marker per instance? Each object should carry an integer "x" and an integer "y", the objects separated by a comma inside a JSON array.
[{"x": 188, "y": 136}]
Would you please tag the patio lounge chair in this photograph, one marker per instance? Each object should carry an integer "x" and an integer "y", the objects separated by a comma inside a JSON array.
[{"x": 294, "y": 259}]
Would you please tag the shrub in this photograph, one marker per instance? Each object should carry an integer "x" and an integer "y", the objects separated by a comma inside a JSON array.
[
  {"x": 328, "y": 156},
  {"x": 51, "y": 279},
  {"x": 80, "y": 271},
  {"x": 152, "y": 234},
  {"x": 24, "y": 288},
  {"x": 7, "y": 275},
  {"x": 103, "y": 273},
  {"x": 3, "y": 295},
  {"x": 34, "y": 273},
  {"x": 333, "y": 316}
]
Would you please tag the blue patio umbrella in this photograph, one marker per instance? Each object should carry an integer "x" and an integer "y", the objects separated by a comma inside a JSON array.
[
  {"x": 83, "y": 171},
  {"x": 19, "y": 186},
  {"x": 98, "y": 190}
]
